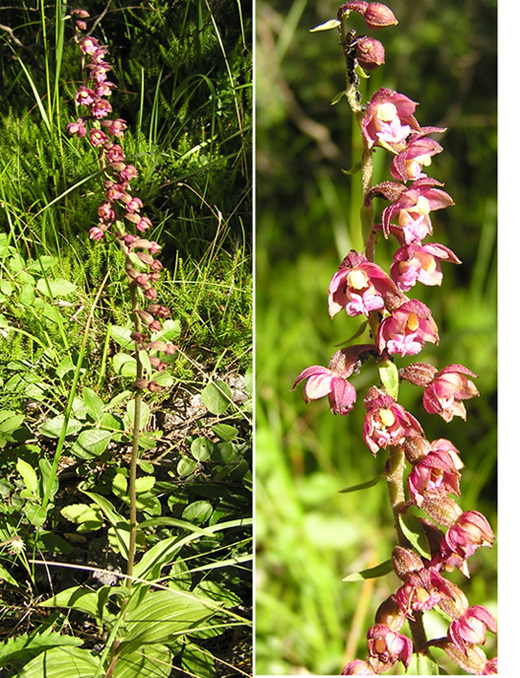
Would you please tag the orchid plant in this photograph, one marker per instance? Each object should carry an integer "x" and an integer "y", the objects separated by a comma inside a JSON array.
[
  {"x": 119, "y": 211},
  {"x": 444, "y": 537}
]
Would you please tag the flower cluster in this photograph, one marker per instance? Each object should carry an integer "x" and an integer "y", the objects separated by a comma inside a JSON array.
[
  {"x": 120, "y": 208},
  {"x": 401, "y": 326}
]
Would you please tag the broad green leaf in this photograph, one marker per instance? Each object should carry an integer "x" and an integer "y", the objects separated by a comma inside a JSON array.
[
  {"x": 125, "y": 365},
  {"x": 197, "y": 662},
  {"x": 150, "y": 661},
  {"x": 171, "y": 329},
  {"x": 29, "y": 476},
  {"x": 9, "y": 422},
  {"x": 201, "y": 449},
  {"x": 79, "y": 598},
  {"x": 66, "y": 365},
  {"x": 216, "y": 397},
  {"x": 164, "y": 613},
  {"x": 91, "y": 443},
  {"x": 225, "y": 432},
  {"x": 197, "y": 512},
  {"x": 27, "y": 645},
  {"x": 421, "y": 665},
  {"x": 121, "y": 335},
  {"x": 119, "y": 524},
  {"x": 93, "y": 403},
  {"x": 52, "y": 427},
  {"x": 130, "y": 413},
  {"x": 89, "y": 516},
  {"x": 373, "y": 572},
  {"x": 365, "y": 485},
  {"x": 37, "y": 515},
  {"x": 72, "y": 662},
  {"x": 144, "y": 484},
  {"x": 413, "y": 531},
  {"x": 55, "y": 287},
  {"x": 186, "y": 467},
  {"x": 149, "y": 567}
]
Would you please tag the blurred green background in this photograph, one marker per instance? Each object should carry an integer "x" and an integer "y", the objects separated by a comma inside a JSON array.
[{"x": 310, "y": 536}]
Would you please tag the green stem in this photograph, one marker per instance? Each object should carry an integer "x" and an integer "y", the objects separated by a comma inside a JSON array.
[
  {"x": 132, "y": 496},
  {"x": 395, "y": 467}
]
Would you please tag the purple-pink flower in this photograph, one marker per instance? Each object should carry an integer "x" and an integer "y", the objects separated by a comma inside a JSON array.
[
  {"x": 412, "y": 210},
  {"x": 321, "y": 382},
  {"x": 470, "y": 531},
  {"x": 447, "y": 390},
  {"x": 434, "y": 477},
  {"x": 387, "y": 422},
  {"x": 407, "y": 329},
  {"x": 471, "y": 627},
  {"x": 389, "y": 119},
  {"x": 388, "y": 647},
  {"x": 420, "y": 263},
  {"x": 409, "y": 162},
  {"x": 359, "y": 286}
]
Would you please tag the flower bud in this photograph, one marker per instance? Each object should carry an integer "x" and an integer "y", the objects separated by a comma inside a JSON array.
[
  {"x": 405, "y": 561},
  {"x": 358, "y": 668},
  {"x": 390, "y": 614},
  {"x": 473, "y": 660},
  {"x": 444, "y": 511},
  {"x": 378, "y": 16},
  {"x": 370, "y": 53},
  {"x": 418, "y": 374}
]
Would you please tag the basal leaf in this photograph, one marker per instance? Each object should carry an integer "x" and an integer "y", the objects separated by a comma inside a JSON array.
[
  {"x": 152, "y": 661},
  {"x": 91, "y": 443},
  {"x": 162, "y": 614},
  {"x": 72, "y": 662}
]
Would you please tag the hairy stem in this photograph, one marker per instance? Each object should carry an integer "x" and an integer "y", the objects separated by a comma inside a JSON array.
[{"x": 135, "y": 445}]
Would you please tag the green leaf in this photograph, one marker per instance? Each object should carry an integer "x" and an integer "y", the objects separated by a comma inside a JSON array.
[
  {"x": 326, "y": 26},
  {"x": 6, "y": 576},
  {"x": 421, "y": 665},
  {"x": 52, "y": 427},
  {"x": 121, "y": 335},
  {"x": 55, "y": 288},
  {"x": 87, "y": 515},
  {"x": 160, "y": 614},
  {"x": 216, "y": 397},
  {"x": 197, "y": 512},
  {"x": 149, "y": 567},
  {"x": 413, "y": 530},
  {"x": 93, "y": 403},
  {"x": 373, "y": 572},
  {"x": 118, "y": 523},
  {"x": 364, "y": 486},
  {"x": 91, "y": 443},
  {"x": 72, "y": 662},
  {"x": 152, "y": 661},
  {"x": 389, "y": 375},
  {"x": 201, "y": 449},
  {"x": 79, "y": 598},
  {"x": 29, "y": 476},
  {"x": 25, "y": 646},
  {"x": 129, "y": 415},
  {"x": 339, "y": 96},
  {"x": 197, "y": 662},
  {"x": 186, "y": 467},
  {"x": 125, "y": 365},
  {"x": 144, "y": 484},
  {"x": 225, "y": 432}
]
